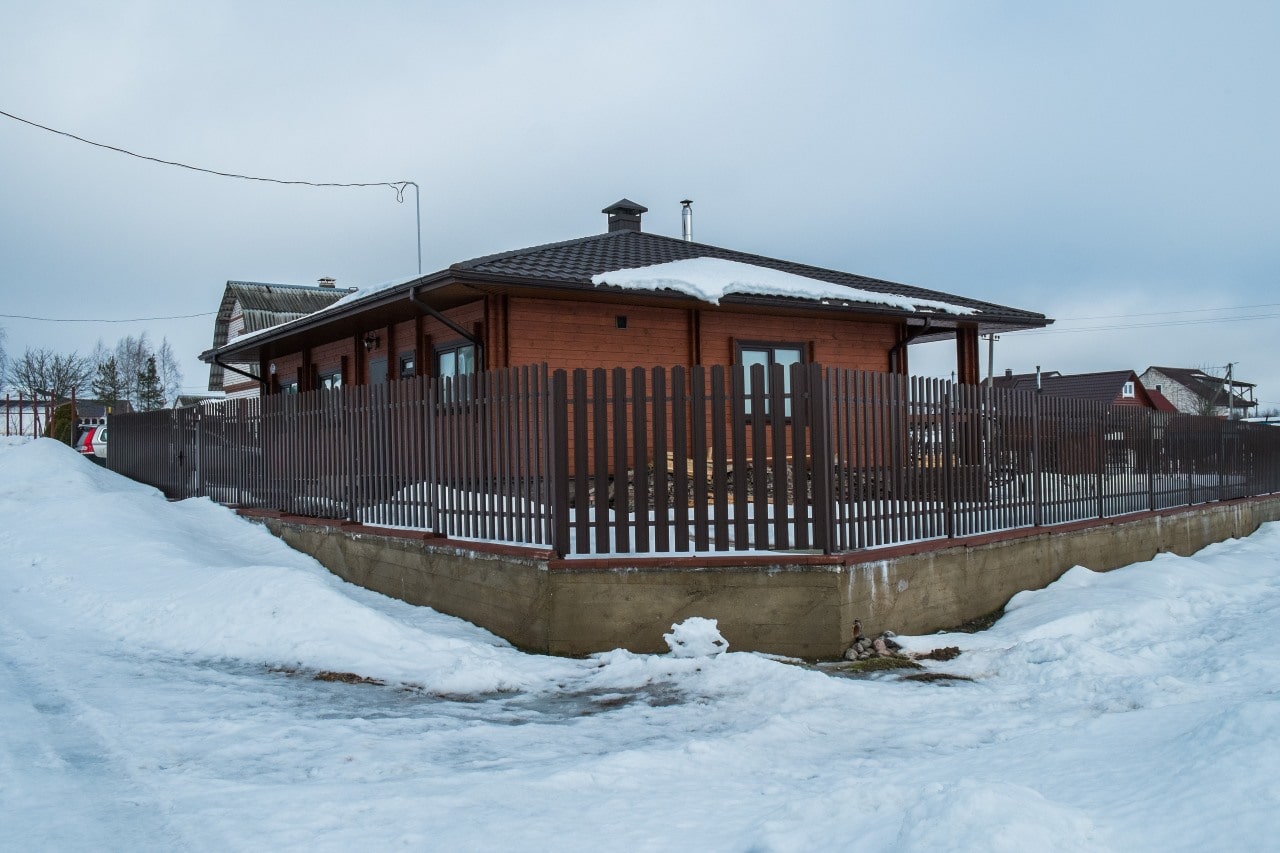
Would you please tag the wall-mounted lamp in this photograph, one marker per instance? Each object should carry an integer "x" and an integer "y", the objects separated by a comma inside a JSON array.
[{"x": 371, "y": 342}]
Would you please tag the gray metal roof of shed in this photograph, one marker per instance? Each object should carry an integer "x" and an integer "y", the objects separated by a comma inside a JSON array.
[{"x": 263, "y": 305}]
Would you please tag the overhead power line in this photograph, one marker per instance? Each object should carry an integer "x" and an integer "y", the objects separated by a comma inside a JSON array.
[
  {"x": 1128, "y": 326},
  {"x": 1168, "y": 313},
  {"x": 398, "y": 186},
  {"x": 99, "y": 320}
]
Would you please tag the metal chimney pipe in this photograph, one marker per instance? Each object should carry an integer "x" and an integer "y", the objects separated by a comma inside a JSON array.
[{"x": 686, "y": 220}]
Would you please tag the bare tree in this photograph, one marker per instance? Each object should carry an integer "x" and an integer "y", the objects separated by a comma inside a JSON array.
[
  {"x": 42, "y": 372},
  {"x": 169, "y": 371},
  {"x": 4, "y": 360}
]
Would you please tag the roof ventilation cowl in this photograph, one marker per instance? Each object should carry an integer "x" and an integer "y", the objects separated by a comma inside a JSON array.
[
  {"x": 328, "y": 282},
  {"x": 624, "y": 215}
]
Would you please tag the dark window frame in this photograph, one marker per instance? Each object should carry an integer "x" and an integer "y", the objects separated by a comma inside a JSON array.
[
  {"x": 408, "y": 357},
  {"x": 325, "y": 379},
  {"x": 770, "y": 348},
  {"x": 455, "y": 347}
]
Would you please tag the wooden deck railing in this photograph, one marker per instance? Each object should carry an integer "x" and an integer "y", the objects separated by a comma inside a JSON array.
[{"x": 693, "y": 460}]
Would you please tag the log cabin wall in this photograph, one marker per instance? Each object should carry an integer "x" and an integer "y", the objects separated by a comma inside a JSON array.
[
  {"x": 572, "y": 335},
  {"x": 288, "y": 369},
  {"x": 857, "y": 345},
  {"x": 333, "y": 356},
  {"x": 569, "y": 335},
  {"x": 435, "y": 334}
]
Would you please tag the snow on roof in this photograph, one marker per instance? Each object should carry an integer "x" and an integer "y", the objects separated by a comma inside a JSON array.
[{"x": 711, "y": 279}]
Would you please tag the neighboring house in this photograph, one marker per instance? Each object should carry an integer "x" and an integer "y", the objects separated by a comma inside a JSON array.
[
  {"x": 1195, "y": 392},
  {"x": 1162, "y": 403},
  {"x": 101, "y": 408},
  {"x": 622, "y": 298},
  {"x": 1113, "y": 387},
  {"x": 249, "y": 307},
  {"x": 187, "y": 401},
  {"x": 30, "y": 417}
]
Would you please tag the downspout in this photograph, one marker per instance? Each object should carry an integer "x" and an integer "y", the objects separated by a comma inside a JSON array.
[
  {"x": 226, "y": 366},
  {"x": 432, "y": 312},
  {"x": 896, "y": 350}
]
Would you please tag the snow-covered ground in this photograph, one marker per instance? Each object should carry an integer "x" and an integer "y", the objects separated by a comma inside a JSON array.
[{"x": 158, "y": 691}]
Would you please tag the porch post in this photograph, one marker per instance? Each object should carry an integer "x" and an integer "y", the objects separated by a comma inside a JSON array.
[{"x": 967, "y": 355}]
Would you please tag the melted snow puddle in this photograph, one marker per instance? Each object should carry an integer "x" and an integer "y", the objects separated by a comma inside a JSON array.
[{"x": 346, "y": 696}]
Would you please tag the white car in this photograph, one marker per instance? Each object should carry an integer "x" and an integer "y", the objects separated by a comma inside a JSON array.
[{"x": 91, "y": 440}]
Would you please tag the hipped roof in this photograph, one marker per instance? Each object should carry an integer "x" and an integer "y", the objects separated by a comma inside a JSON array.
[{"x": 567, "y": 267}]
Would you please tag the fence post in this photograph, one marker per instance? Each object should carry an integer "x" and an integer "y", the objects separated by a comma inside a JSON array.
[
  {"x": 1151, "y": 461},
  {"x": 558, "y": 441},
  {"x": 1102, "y": 460},
  {"x": 823, "y": 465},
  {"x": 948, "y": 466},
  {"x": 349, "y": 438},
  {"x": 1037, "y": 464},
  {"x": 1222, "y": 455},
  {"x": 199, "y": 451}
]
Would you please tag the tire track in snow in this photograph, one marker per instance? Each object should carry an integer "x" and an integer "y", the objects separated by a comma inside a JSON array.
[{"x": 75, "y": 793}]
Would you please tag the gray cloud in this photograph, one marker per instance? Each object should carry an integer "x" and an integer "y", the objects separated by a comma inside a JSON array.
[{"x": 1050, "y": 156}]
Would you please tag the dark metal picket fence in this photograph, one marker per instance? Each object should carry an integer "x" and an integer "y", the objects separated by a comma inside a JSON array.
[{"x": 693, "y": 460}]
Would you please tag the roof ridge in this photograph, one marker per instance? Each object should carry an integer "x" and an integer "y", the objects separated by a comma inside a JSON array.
[
  {"x": 471, "y": 263},
  {"x": 335, "y": 288}
]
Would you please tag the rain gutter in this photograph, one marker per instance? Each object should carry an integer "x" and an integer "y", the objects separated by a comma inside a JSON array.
[
  {"x": 226, "y": 366},
  {"x": 431, "y": 311},
  {"x": 895, "y": 352}
]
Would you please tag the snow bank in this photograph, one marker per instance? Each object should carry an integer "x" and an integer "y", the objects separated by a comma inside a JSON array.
[
  {"x": 193, "y": 578},
  {"x": 1129, "y": 711}
]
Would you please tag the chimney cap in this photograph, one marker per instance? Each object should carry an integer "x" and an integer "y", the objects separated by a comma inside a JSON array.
[
  {"x": 624, "y": 215},
  {"x": 328, "y": 282},
  {"x": 625, "y": 205}
]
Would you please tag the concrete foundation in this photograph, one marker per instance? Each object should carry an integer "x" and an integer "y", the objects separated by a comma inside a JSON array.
[{"x": 801, "y": 608}]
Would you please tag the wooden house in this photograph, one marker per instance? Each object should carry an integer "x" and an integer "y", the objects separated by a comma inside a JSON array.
[{"x": 622, "y": 298}]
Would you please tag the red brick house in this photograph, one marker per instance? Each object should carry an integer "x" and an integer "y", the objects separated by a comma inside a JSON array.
[{"x": 587, "y": 303}]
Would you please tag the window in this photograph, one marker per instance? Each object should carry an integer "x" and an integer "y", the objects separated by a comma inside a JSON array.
[
  {"x": 767, "y": 355},
  {"x": 408, "y": 366},
  {"x": 1127, "y": 391},
  {"x": 455, "y": 361},
  {"x": 330, "y": 380},
  {"x": 289, "y": 387}
]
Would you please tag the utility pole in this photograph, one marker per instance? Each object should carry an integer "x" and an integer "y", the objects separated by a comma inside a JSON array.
[{"x": 1231, "y": 396}]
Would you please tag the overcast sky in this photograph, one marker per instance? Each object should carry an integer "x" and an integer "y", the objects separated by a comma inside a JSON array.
[{"x": 1109, "y": 164}]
